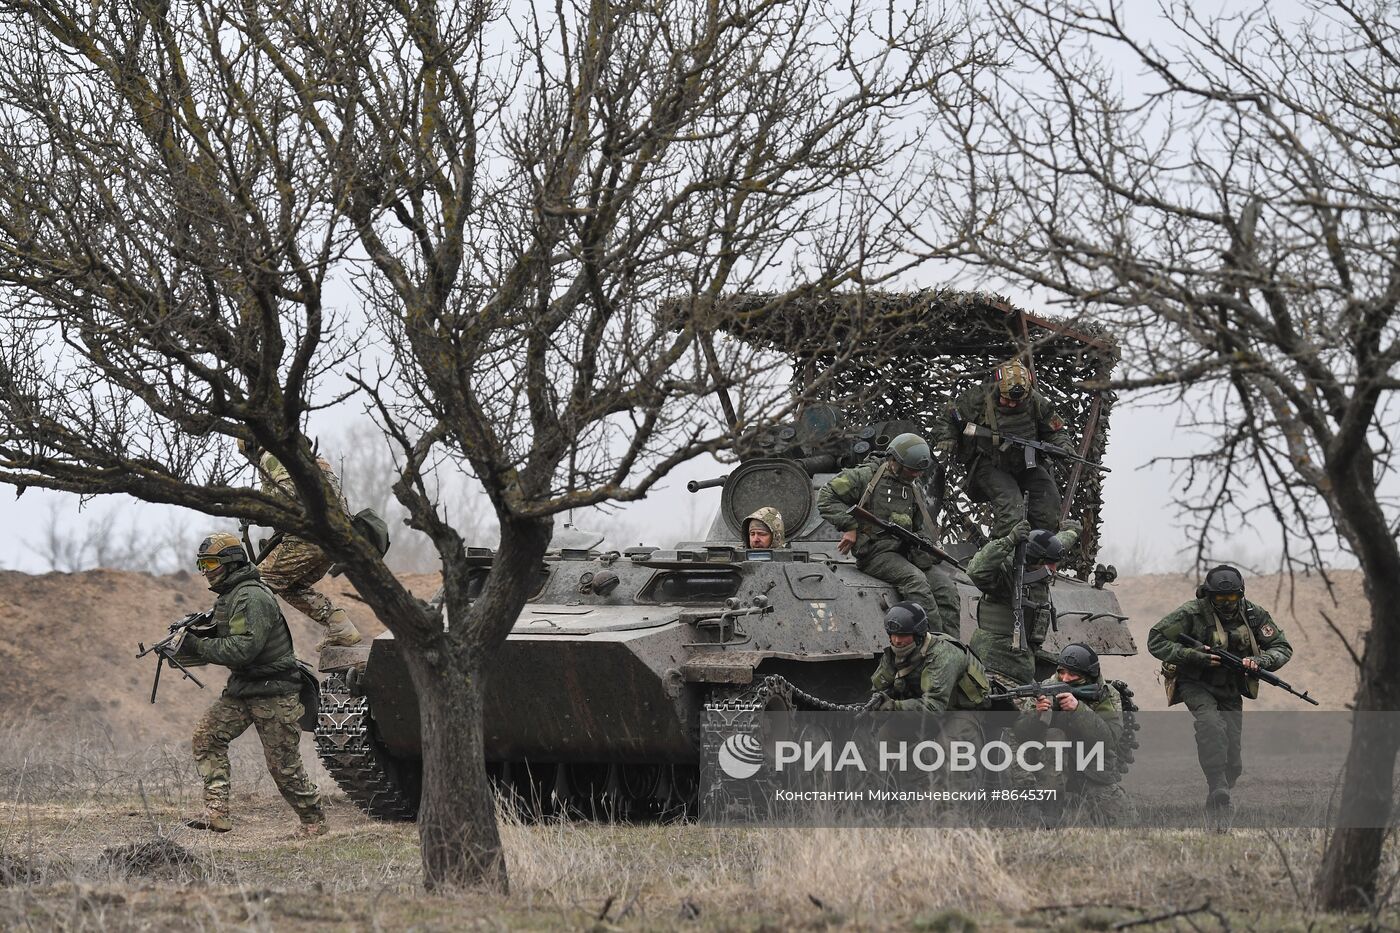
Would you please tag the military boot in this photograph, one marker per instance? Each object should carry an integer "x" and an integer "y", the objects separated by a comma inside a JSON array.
[
  {"x": 311, "y": 828},
  {"x": 211, "y": 820},
  {"x": 340, "y": 631}
]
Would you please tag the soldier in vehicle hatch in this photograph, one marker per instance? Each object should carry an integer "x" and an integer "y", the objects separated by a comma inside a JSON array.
[
  {"x": 992, "y": 570},
  {"x": 1220, "y": 617},
  {"x": 249, "y": 636},
  {"x": 996, "y": 469},
  {"x": 890, "y": 489},
  {"x": 763, "y": 529}
]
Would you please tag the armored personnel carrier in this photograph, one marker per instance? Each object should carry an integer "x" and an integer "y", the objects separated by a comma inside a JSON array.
[{"x": 623, "y": 662}]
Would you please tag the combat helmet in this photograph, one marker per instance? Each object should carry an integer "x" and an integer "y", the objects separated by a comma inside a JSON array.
[
  {"x": 1043, "y": 547},
  {"x": 906, "y": 619},
  {"x": 1224, "y": 586},
  {"x": 1013, "y": 380},
  {"x": 911, "y": 451},
  {"x": 1079, "y": 658},
  {"x": 222, "y": 548}
]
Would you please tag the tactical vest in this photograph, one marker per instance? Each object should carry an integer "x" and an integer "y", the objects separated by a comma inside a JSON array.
[
  {"x": 996, "y": 616},
  {"x": 973, "y": 684},
  {"x": 1022, "y": 421},
  {"x": 274, "y": 668}
]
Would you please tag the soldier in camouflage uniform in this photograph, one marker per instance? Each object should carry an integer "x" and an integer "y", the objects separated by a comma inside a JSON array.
[
  {"x": 924, "y": 671},
  {"x": 295, "y": 564},
  {"x": 996, "y": 471},
  {"x": 764, "y": 529},
  {"x": 891, "y": 491},
  {"x": 1219, "y": 616},
  {"x": 991, "y": 570},
  {"x": 249, "y": 636},
  {"x": 1067, "y": 718}
]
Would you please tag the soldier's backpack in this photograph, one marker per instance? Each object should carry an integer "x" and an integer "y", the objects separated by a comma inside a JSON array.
[{"x": 368, "y": 523}]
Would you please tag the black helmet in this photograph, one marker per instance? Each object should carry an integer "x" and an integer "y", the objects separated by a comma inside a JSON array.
[
  {"x": 1042, "y": 547},
  {"x": 911, "y": 452},
  {"x": 1079, "y": 658},
  {"x": 906, "y": 619},
  {"x": 1222, "y": 579}
]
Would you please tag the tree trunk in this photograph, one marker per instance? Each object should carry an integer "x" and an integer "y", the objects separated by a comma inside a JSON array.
[
  {"x": 1347, "y": 877},
  {"x": 461, "y": 843}
]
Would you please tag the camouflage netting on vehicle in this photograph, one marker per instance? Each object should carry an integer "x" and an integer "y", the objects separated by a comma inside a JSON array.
[{"x": 904, "y": 357}]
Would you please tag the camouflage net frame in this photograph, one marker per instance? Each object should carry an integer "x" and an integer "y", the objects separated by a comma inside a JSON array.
[{"x": 920, "y": 350}]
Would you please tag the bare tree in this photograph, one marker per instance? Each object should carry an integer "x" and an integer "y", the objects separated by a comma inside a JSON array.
[
  {"x": 1236, "y": 217},
  {"x": 535, "y": 209}
]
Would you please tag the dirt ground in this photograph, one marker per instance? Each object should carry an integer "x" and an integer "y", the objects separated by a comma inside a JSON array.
[{"x": 94, "y": 780}]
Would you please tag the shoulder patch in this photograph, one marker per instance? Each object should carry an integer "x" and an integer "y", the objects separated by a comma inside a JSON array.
[
  {"x": 1057, "y": 423},
  {"x": 1268, "y": 630}
]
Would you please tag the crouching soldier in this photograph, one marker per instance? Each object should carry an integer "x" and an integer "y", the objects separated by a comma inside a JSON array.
[
  {"x": 1085, "y": 723},
  {"x": 930, "y": 672},
  {"x": 249, "y": 636}
]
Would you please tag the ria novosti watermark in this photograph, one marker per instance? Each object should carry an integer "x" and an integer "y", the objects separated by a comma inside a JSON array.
[{"x": 990, "y": 769}]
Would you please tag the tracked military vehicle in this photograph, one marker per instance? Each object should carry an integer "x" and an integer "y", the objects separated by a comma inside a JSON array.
[{"x": 624, "y": 662}]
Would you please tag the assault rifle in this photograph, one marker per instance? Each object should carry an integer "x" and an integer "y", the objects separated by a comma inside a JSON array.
[
  {"x": 911, "y": 538},
  {"x": 1089, "y": 693},
  {"x": 1235, "y": 662},
  {"x": 166, "y": 649},
  {"x": 1029, "y": 446},
  {"x": 1018, "y": 585}
]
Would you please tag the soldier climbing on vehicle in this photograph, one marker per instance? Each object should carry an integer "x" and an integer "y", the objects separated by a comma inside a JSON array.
[
  {"x": 1000, "y": 471},
  {"x": 293, "y": 565},
  {"x": 891, "y": 490},
  {"x": 994, "y": 571}
]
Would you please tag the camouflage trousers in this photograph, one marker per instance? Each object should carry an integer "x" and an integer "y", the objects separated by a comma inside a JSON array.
[
  {"x": 276, "y": 721},
  {"x": 932, "y": 588},
  {"x": 1003, "y": 490},
  {"x": 1217, "y": 711},
  {"x": 942, "y": 728},
  {"x": 289, "y": 571},
  {"x": 1077, "y": 799}
]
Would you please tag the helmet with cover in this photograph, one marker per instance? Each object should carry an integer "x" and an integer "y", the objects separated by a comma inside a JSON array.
[
  {"x": 912, "y": 452},
  {"x": 1013, "y": 380},
  {"x": 220, "y": 549}
]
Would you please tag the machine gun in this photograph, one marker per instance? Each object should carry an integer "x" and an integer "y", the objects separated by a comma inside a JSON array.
[
  {"x": 913, "y": 539},
  {"x": 1089, "y": 693},
  {"x": 1235, "y": 662},
  {"x": 166, "y": 649},
  {"x": 1029, "y": 446},
  {"x": 1018, "y": 586}
]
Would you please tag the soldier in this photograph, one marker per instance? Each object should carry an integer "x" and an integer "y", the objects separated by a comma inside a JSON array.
[
  {"x": 997, "y": 471},
  {"x": 891, "y": 491},
  {"x": 764, "y": 529},
  {"x": 1068, "y": 718},
  {"x": 1219, "y": 616},
  {"x": 249, "y": 636},
  {"x": 295, "y": 564},
  {"x": 930, "y": 672},
  {"x": 992, "y": 571}
]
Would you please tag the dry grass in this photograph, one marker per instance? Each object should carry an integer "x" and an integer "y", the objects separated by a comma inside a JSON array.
[{"x": 68, "y": 809}]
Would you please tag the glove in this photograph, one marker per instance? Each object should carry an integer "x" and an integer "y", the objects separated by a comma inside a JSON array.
[
  {"x": 1070, "y": 524},
  {"x": 1021, "y": 532},
  {"x": 1262, "y": 661},
  {"x": 887, "y": 703},
  {"x": 945, "y": 447},
  {"x": 1197, "y": 656}
]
